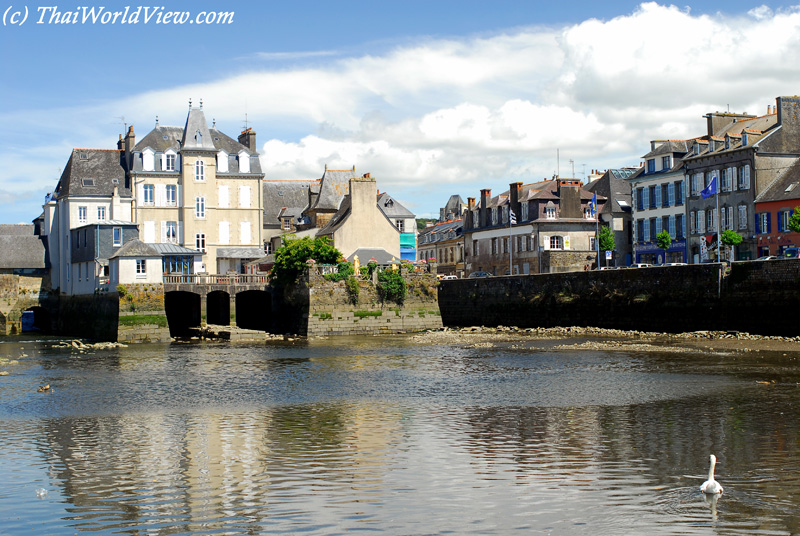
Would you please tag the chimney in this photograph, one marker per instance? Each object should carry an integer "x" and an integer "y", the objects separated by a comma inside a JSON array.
[
  {"x": 121, "y": 143},
  {"x": 130, "y": 142},
  {"x": 468, "y": 217},
  {"x": 569, "y": 192},
  {"x": 441, "y": 214},
  {"x": 248, "y": 139},
  {"x": 486, "y": 195}
]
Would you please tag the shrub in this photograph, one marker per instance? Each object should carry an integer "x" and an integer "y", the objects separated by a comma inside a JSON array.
[
  {"x": 391, "y": 286},
  {"x": 291, "y": 257},
  {"x": 351, "y": 283}
]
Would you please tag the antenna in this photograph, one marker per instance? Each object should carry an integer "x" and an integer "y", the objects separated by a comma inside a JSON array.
[
  {"x": 572, "y": 163},
  {"x": 245, "y": 121},
  {"x": 558, "y": 162},
  {"x": 122, "y": 120}
]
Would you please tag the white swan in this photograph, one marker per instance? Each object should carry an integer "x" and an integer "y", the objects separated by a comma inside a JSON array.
[{"x": 711, "y": 486}]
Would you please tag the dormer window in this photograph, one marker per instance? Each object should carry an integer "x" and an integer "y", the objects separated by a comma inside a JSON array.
[
  {"x": 169, "y": 161},
  {"x": 198, "y": 137},
  {"x": 744, "y": 138},
  {"x": 222, "y": 162},
  {"x": 651, "y": 165},
  {"x": 666, "y": 162},
  {"x": 244, "y": 162},
  {"x": 87, "y": 182},
  {"x": 550, "y": 213},
  {"x": 148, "y": 159}
]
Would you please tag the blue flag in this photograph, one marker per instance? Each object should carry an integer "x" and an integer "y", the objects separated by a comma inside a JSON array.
[
  {"x": 593, "y": 204},
  {"x": 711, "y": 189}
]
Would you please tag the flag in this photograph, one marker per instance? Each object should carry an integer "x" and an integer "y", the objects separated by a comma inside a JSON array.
[
  {"x": 512, "y": 217},
  {"x": 711, "y": 189},
  {"x": 593, "y": 204}
]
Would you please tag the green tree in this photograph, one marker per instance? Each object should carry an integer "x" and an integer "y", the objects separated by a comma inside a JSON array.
[
  {"x": 606, "y": 241},
  {"x": 664, "y": 241},
  {"x": 391, "y": 286},
  {"x": 291, "y": 257},
  {"x": 730, "y": 238},
  {"x": 794, "y": 220}
]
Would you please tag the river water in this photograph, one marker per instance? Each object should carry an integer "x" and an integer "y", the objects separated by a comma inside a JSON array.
[{"x": 388, "y": 435}]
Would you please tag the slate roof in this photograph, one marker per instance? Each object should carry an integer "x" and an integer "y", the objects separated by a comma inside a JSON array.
[
  {"x": 365, "y": 254},
  {"x": 614, "y": 185},
  {"x": 92, "y": 172},
  {"x": 785, "y": 188},
  {"x": 334, "y": 185},
  {"x": 284, "y": 194},
  {"x": 668, "y": 147},
  {"x": 173, "y": 249},
  {"x": 20, "y": 248},
  {"x": 440, "y": 231},
  {"x": 136, "y": 248},
  {"x": 392, "y": 208},
  {"x": 337, "y": 219},
  {"x": 196, "y": 135}
]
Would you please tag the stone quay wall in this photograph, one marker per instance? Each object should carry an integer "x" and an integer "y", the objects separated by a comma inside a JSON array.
[
  {"x": 323, "y": 308},
  {"x": 760, "y": 297}
]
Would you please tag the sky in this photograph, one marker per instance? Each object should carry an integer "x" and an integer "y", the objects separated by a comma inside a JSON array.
[{"x": 432, "y": 98}]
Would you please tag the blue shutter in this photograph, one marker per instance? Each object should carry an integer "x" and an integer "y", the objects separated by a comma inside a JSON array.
[
  {"x": 769, "y": 222},
  {"x": 758, "y": 227},
  {"x": 780, "y": 222}
]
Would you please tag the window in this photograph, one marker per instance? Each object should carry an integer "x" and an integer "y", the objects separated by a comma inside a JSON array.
[
  {"x": 742, "y": 216},
  {"x": 148, "y": 194},
  {"x": 82, "y": 212},
  {"x": 172, "y": 195},
  {"x": 474, "y": 247},
  {"x": 101, "y": 213},
  {"x": 640, "y": 199},
  {"x": 171, "y": 232},
  {"x": 117, "y": 232},
  {"x": 729, "y": 218},
  {"x": 666, "y": 162},
  {"x": 639, "y": 232},
  {"x": 524, "y": 211},
  {"x": 711, "y": 224},
  {"x": 654, "y": 224},
  {"x": 494, "y": 246},
  {"x": 667, "y": 195},
  {"x": 244, "y": 197},
  {"x": 200, "y": 242},
  {"x": 476, "y": 220},
  {"x": 701, "y": 221},
  {"x": 169, "y": 162},
  {"x": 783, "y": 220},
  {"x": 653, "y": 194},
  {"x": 587, "y": 213},
  {"x": 651, "y": 165},
  {"x": 762, "y": 223},
  {"x": 694, "y": 184},
  {"x": 200, "y": 207},
  {"x": 141, "y": 267},
  {"x": 679, "y": 229},
  {"x": 556, "y": 242},
  {"x": 494, "y": 215},
  {"x": 744, "y": 177},
  {"x": 693, "y": 222},
  {"x": 550, "y": 212},
  {"x": 679, "y": 193},
  {"x": 401, "y": 225},
  {"x": 725, "y": 184},
  {"x": 224, "y": 196},
  {"x": 646, "y": 197},
  {"x": 245, "y": 236},
  {"x": 646, "y": 231},
  {"x": 286, "y": 224},
  {"x": 199, "y": 171}
]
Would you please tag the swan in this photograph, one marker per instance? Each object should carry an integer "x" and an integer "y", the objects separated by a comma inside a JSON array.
[{"x": 711, "y": 486}]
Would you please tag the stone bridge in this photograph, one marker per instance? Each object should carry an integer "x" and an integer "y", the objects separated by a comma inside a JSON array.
[{"x": 242, "y": 300}]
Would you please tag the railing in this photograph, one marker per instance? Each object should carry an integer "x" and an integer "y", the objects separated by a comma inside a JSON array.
[{"x": 216, "y": 279}]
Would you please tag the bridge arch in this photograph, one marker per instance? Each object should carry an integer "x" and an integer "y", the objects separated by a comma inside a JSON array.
[
  {"x": 218, "y": 308},
  {"x": 254, "y": 310},
  {"x": 37, "y": 318},
  {"x": 183, "y": 311}
]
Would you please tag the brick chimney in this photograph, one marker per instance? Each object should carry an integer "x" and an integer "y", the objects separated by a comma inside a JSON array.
[
  {"x": 248, "y": 139},
  {"x": 486, "y": 195},
  {"x": 468, "y": 216},
  {"x": 569, "y": 192}
]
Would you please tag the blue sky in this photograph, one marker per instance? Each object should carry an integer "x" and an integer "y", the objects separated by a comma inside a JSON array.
[{"x": 432, "y": 98}]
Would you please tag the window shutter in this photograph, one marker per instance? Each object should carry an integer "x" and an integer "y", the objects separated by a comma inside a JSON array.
[
  {"x": 180, "y": 232},
  {"x": 780, "y": 223},
  {"x": 178, "y": 198},
  {"x": 140, "y": 193},
  {"x": 163, "y": 232},
  {"x": 150, "y": 231},
  {"x": 769, "y": 222},
  {"x": 545, "y": 241},
  {"x": 758, "y": 225},
  {"x": 161, "y": 195}
]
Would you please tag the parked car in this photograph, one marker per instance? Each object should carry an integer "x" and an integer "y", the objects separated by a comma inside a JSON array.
[
  {"x": 475, "y": 275},
  {"x": 768, "y": 258},
  {"x": 446, "y": 277},
  {"x": 641, "y": 265},
  {"x": 790, "y": 253},
  {"x": 674, "y": 264}
]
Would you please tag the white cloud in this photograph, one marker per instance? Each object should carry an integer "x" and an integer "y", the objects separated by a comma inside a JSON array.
[{"x": 452, "y": 116}]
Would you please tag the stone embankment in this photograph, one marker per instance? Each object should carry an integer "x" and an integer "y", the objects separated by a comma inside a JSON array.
[{"x": 605, "y": 339}]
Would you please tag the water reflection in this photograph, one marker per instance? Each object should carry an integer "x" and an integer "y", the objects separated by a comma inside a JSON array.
[{"x": 392, "y": 437}]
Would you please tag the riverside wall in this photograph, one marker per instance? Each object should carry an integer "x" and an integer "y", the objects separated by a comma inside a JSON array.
[
  {"x": 318, "y": 307},
  {"x": 760, "y": 297}
]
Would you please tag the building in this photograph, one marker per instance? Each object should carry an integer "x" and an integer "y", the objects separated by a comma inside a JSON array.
[
  {"x": 406, "y": 224},
  {"x": 773, "y": 209},
  {"x": 454, "y": 209},
  {"x": 198, "y": 188},
  {"x": 93, "y": 189},
  {"x": 443, "y": 243},
  {"x": 659, "y": 202},
  {"x": 554, "y": 230},
  {"x": 23, "y": 252},
  {"x": 283, "y": 204},
  {"x": 135, "y": 262},
  {"x": 616, "y": 212},
  {"x": 360, "y": 223},
  {"x": 743, "y": 154},
  {"x": 91, "y": 248}
]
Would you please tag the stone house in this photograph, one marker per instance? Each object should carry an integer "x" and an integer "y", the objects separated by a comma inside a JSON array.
[
  {"x": 444, "y": 242},
  {"x": 744, "y": 155},
  {"x": 659, "y": 202},
  {"x": 773, "y": 208},
  {"x": 616, "y": 212},
  {"x": 554, "y": 230},
  {"x": 360, "y": 223},
  {"x": 198, "y": 188},
  {"x": 135, "y": 262}
]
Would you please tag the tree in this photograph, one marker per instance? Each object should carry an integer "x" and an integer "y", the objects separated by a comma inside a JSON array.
[
  {"x": 794, "y": 220},
  {"x": 664, "y": 241},
  {"x": 730, "y": 238},
  {"x": 606, "y": 240},
  {"x": 291, "y": 257}
]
